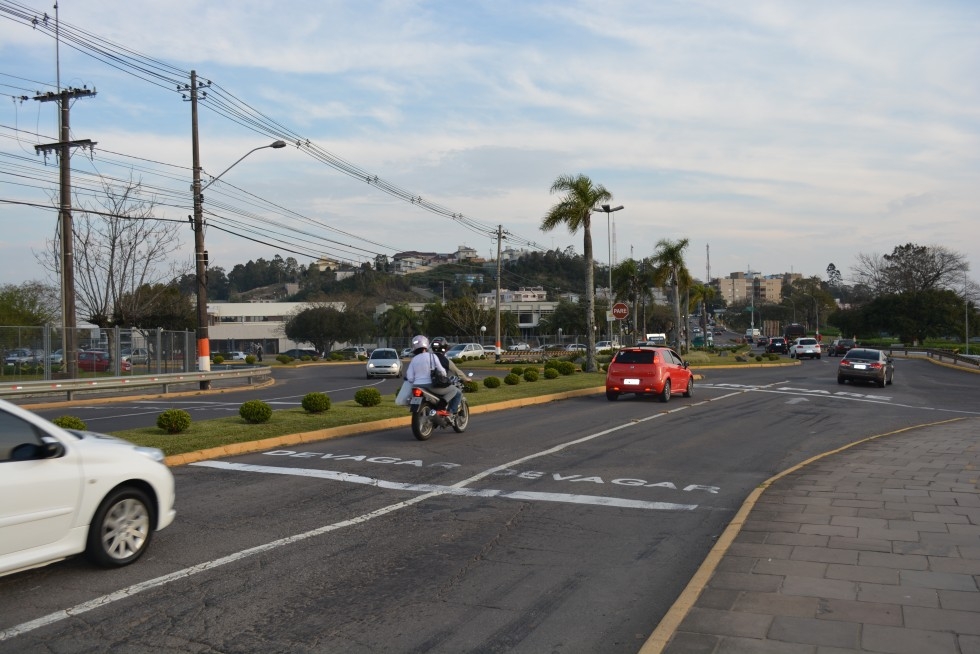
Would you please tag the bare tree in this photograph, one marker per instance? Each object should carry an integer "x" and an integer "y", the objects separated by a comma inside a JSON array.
[
  {"x": 122, "y": 253},
  {"x": 911, "y": 268}
]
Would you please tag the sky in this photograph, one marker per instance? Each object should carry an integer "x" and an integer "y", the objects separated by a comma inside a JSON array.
[{"x": 776, "y": 136}]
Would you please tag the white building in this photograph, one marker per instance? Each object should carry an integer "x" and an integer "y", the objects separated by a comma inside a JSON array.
[{"x": 242, "y": 325}]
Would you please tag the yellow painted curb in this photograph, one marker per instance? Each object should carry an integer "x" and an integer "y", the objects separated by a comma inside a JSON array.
[{"x": 661, "y": 636}]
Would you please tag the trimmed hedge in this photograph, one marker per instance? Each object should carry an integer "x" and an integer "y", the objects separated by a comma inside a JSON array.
[
  {"x": 174, "y": 421},
  {"x": 368, "y": 397},
  {"x": 255, "y": 412},
  {"x": 70, "y": 422},
  {"x": 512, "y": 379},
  {"x": 530, "y": 375},
  {"x": 316, "y": 402},
  {"x": 492, "y": 382}
]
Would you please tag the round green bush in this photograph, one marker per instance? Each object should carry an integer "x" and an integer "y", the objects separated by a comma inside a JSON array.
[
  {"x": 316, "y": 402},
  {"x": 219, "y": 359},
  {"x": 551, "y": 364},
  {"x": 551, "y": 373},
  {"x": 758, "y": 358},
  {"x": 255, "y": 412},
  {"x": 283, "y": 358},
  {"x": 470, "y": 386},
  {"x": 517, "y": 370},
  {"x": 368, "y": 397},
  {"x": 512, "y": 379},
  {"x": 174, "y": 421},
  {"x": 566, "y": 367},
  {"x": 531, "y": 375},
  {"x": 492, "y": 382},
  {"x": 336, "y": 356},
  {"x": 70, "y": 422},
  {"x": 250, "y": 359}
]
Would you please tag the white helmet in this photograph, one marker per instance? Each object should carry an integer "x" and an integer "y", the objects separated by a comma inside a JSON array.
[{"x": 420, "y": 342}]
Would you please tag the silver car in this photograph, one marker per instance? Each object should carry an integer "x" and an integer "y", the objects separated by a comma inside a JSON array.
[{"x": 384, "y": 362}]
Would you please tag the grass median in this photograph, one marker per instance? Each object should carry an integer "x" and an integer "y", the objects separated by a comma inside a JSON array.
[{"x": 208, "y": 434}]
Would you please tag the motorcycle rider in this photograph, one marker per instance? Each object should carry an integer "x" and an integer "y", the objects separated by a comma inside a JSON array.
[
  {"x": 439, "y": 346},
  {"x": 419, "y": 373}
]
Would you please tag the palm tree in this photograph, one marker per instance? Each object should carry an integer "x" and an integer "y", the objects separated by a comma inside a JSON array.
[
  {"x": 669, "y": 259},
  {"x": 574, "y": 210},
  {"x": 631, "y": 281}
]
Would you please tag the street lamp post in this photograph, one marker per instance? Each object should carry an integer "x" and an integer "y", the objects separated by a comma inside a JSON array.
[
  {"x": 608, "y": 210},
  {"x": 200, "y": 256}
]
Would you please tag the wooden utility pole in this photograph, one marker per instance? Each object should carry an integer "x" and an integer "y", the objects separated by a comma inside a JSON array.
[
  {"x": 69, "y": 347},
  {"x": 200, "y": 254}
]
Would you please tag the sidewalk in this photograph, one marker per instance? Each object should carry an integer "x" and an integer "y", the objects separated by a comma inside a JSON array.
[{"x": 873, "y": 548}]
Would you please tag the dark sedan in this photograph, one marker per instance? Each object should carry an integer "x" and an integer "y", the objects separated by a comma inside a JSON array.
[
  {"x": 777, "y": 344},
  {"x": 862, "y": 364}
]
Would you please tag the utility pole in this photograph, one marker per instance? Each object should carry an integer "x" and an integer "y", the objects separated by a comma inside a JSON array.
[
  {"x": 63, "y": 148},
  {"x": 200, "y": 255},
  {"x": 500, "y": 237}
]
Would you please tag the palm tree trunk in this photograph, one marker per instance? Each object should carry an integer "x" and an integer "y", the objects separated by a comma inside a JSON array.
[
  {"x": 677, "y": 313},
  {"x": 590, "y": 362}
]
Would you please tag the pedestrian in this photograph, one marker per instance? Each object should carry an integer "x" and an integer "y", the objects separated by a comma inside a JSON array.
[{"x": 258, "y": 351}]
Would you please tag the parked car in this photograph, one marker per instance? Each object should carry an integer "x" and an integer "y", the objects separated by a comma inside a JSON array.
[
  {"x": 840, "y": 347},
  {"x": 648, "y": 371},
  {"x": 805, "y": 347},
  {"x": 606, "y": 346},
  {"x": 20, "y": 355},
  {"x": 93, "y": 361},
  {"x": 384, "y": 362},
  {"x": 56, "y": 358},
  {"x": 519, "y": 347},
  {"x": 777, "y": 344},
  {"x": 464, "y": 351},
  {"x": 492, "y": 350},
  {"x": 865, "y": 364},
  {"x": 236, "y": 355},
  {"x": 407, "y": 353},
  {"x": 68, "y": 492},
  {"x": 576, "y": 347},
  {"x": 138, "y": 356}
]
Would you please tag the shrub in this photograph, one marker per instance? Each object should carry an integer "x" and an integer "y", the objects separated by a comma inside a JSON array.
[
  {"x": 551, "y": 373},
  {"x": 531, "y": 375},
  {"x": 758, "y": 358},
  {"x": 283, "y": 358},
  {"x": 517, "y": 370},
  {"x": 250, "y": 359},
  {"x": 70, "y": 422},
  {"x": 316, "y": 402},
  {"x": 219, "y": 359},
  {"x": 492, "y": 382},
  {"x": 368, "y": 397},
  {"x": 566, "y": 367},
  {"x": 336, "y": 356},
  {"x": 255, "y": 412},
  {"x": 512, "y": 379},
  {"x": 551, "y": 364},
  {"x": 174, "y": 421},
  {"x": 470, "y": 386}
]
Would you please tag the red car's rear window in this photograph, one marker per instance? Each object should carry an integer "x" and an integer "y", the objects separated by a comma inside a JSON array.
[{"x": 635, "y": 356}]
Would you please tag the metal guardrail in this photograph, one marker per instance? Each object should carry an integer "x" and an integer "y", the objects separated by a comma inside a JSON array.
[
  {"x": 939, "y": 355},
  {"x": 73, "y": 387}
]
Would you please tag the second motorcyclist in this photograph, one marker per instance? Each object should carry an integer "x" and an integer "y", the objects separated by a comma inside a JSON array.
[
  {"x": 419, "y": 372},
  {"x": 439, "y": 346}
]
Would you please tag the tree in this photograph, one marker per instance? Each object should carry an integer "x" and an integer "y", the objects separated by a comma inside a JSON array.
[
  {"x": 400, "y": 320},
  {"x": 574, "y": 210},
  {"x": 30, "y": 304},
  {"x": 467, "y": 316},
  {"x": 671, "y": 269},
  {"x": 911, "y": 268},
  {"x": 121, "y": 252},
  {"x": 166, "y": 307},
  {"x": 324, "y": 325}
]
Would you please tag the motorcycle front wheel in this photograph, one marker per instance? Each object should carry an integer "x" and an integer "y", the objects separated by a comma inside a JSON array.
[
  {"x": 422, "y": 425},
  {"x": 462, "y": 418}
]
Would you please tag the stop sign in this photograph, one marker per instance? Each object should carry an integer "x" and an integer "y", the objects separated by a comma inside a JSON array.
[{"x": 620, "y": 311}]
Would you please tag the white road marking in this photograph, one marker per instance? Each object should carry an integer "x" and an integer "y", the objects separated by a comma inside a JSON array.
[
  {"x": 130, "y": 591},
  {"x": 448, "y": 490}
]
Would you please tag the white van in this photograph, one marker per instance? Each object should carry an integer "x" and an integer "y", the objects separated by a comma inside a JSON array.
[{"x": 752, "y": 334}]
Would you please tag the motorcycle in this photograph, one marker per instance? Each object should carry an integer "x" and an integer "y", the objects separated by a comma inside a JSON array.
[{"x": 426, "y": 406}]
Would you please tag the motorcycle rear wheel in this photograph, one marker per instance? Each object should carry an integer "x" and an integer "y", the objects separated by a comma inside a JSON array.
[
  {"x": 422, "y": 425},
  {"x": 462, "y": 418}
]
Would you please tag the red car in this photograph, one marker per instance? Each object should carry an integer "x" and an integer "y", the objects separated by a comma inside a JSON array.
[
  {"x": 648, "y": 371},
  {"x": 99, "y": 361}
]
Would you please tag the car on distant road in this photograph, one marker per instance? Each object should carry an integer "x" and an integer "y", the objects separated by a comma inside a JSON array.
[
  {"x": 840, "y": 347},
  {"x": 648, "y": 371},
  {"x": 865, "y": 364},
  {"x": 492, "y": 350},
  {"x": 384, "y": 362},
  {"x": 777, "y": 344},
  {"x": 762, "y": 341},
  {"x": 407, "y": 353},
  {"x": 236, "y": 355},
  {"x": 805, "y": 347},
  {"x": 464, "y": 351},
  {"x": 68, "y": 492},
  {"x": 137, "y": 356},
  {"x": 353, "y": 352},
  {"x": 299, "y": 353}
]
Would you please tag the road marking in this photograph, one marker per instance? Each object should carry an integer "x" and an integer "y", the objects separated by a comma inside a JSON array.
[
  {"x": 135, "y": 589},
  {"x": 333, "y": 475}
]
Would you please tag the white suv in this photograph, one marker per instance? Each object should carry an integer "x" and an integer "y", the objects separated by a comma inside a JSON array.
[
  {"x": 464, "y": 351},
  {"x": 805, "y": 347}
]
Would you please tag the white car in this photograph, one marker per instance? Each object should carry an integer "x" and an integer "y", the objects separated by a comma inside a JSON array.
[
  {"x": 384, "y": 362},
  {"x": 805, "y": 347},
  {"x": 464, "y": 351},
  {"x": 519, "y": 347},
  {"x": 237, "y": 356},
  {"x": 66, "y": 492},
  {"x": 606, "y": 346}
]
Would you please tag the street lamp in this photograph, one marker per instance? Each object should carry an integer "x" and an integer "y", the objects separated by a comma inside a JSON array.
[
  {"x": 200, "y": 256},
  {"x": 608, "y": 210},
  {"x": 483, "y": 333}
]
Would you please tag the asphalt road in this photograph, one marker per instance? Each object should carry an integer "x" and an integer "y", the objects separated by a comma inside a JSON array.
[{"x": 567, "y": 527}]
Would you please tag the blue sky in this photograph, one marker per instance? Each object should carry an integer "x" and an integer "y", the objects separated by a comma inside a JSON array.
[{"x": 784, "y": 135}]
